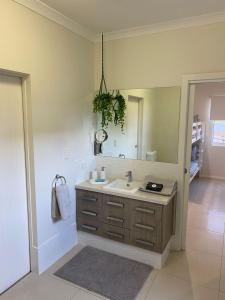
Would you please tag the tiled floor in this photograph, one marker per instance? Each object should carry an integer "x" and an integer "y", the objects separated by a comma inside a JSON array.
[{"x": 196, "y": 274}]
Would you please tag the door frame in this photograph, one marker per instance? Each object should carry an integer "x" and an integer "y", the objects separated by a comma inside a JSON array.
[
  {"x": 29, "y": 163},
  {"x": 185, "y": 132},
  {"x": 140, "y": 123}
]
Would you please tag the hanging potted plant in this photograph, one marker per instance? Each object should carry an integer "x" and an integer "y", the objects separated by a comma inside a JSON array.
[
  {"x": 119, "y": 108},
  {"x": 112, "y": 108}
]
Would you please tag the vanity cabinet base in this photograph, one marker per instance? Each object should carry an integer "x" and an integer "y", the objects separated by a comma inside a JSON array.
[{"x": 139, "y": 223}]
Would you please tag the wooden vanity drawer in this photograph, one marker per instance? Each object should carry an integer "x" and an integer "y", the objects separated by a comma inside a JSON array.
[
  {"x": 145, "y": 238},
  {"x": 115, "y": 211},
  {"x": 139, "y": 223},
  {"x": 115, "y": 233},
  {"x": 89, "y": 225},
  {"x": 145, "y": 213},
  {"x": 89, "y": 202},
  {"x": 89, "y": 215}
]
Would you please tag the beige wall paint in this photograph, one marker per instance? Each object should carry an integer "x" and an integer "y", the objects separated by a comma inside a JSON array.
[
  {"x": 214, "y": 156},
  {"x": 161, "y": 59},
  {"x": 60, "y": 65},
  {"x": 158, "y": 60}
]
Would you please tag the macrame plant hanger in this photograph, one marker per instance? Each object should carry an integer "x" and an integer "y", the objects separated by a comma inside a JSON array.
[{"x": 103, "y": 88}]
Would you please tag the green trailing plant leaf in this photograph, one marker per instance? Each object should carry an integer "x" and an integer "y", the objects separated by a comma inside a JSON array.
[
  {"x": 103, "y": 104},
  {"x": 119, "y": 110},
  {"x": 112, "y": 108}
]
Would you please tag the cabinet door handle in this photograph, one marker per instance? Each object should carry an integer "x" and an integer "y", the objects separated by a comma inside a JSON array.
[
  {"x": 115, "y": 219},
  {"x": 142, "y": 226},
  {"x": 116, "y": 235},
  {"x": 145, "y": 210},
  {"x": 145, "y": 243},
  {"x": 89, "y": 227},
  {"x": 89, "y": 213},
  {"x": 116, "y": 204},
  {"x": 89, "y": 199}
]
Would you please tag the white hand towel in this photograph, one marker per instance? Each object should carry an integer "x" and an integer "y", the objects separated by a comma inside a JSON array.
[{"x": 64, "y": 202}]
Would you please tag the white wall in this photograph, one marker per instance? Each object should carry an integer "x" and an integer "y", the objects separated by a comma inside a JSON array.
[
  {"x": 60, "y": 64},
  {"x": 214, "y": 156},
  {"x": 118, "y": 168},
  {"x": 159, "y": 60}
]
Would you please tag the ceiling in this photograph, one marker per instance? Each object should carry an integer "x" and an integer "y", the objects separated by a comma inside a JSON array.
[{"x": 114, "y": 15}]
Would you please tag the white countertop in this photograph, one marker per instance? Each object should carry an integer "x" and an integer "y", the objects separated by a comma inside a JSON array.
[{"x": 143, "y": 196}]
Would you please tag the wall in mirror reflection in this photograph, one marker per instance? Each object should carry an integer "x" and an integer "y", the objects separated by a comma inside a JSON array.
[{"x": 151, "y": 126}]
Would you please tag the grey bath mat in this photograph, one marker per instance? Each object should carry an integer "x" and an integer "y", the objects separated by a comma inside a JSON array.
[{"x": 107, "y": 274}]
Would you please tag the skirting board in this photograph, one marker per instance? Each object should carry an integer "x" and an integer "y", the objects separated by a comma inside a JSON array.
[
  {"x": 153, "y": 259},
  {"x": 55, "y": 248}
]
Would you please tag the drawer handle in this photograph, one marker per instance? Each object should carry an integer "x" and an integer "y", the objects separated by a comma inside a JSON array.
[
  {"x": 144, "y": 227},
  {"x": 89, "y": 213},
  {"x": 89, "y": 227},
  {"x": 116, "y": 204},
  {"x": 115, "y": 219},
  {"x": 116, "y": 235},
  {"x": 142, "y": 242},
  {"x": 89, "y": 199},
  {"x": 145, "y": 210}
]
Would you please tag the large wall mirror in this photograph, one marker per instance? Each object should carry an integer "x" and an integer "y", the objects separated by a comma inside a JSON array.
[{"x": 151, "y": 126}]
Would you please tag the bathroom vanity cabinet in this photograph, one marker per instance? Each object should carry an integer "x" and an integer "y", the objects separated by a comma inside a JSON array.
[{"x": 140, "y": 223}]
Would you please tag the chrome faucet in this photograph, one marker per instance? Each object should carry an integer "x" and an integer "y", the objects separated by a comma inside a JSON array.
[{"x": 129, "y": 176}]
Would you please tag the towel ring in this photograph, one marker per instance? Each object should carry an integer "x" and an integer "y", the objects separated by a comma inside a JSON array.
[{"x": 56, "y": 180}]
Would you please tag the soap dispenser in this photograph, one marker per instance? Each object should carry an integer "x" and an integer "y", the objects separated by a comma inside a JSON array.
[{"x": 102, "y": 174}]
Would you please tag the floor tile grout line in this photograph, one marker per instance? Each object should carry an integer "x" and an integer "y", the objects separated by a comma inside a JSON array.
[
  {"x": 79, "y": 288},
  {"x": 221, "y": 266},
  {"x": 158, "y": 271},
  {"x": 74, "y": 294},
  {"x": 203, "y": 251},
  {"x": 207, "y": 230},
  {"x": 66, "y": 282},
  {"x": 151, "y": 283},
  {"x": 191, "y": 227},
  {"x": 100, "y": 297},
  {"x": 194, "y": 284},
  {"x": 92, "y": 293}
]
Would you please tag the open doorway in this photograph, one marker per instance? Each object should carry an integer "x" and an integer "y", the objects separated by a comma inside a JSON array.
[{"x": 205, "y": 157}]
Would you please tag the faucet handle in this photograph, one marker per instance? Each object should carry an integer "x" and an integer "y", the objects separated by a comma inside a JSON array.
[{"x": 128, "y": 173}]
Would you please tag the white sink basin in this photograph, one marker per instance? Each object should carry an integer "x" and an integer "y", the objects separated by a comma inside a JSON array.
[{"x": 121, "y": 185}]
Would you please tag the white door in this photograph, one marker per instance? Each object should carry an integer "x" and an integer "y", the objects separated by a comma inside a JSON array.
[
  {"x": 132, "y": 127},
  {"x": 14, "y": 237}
]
